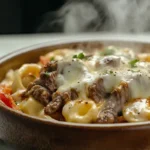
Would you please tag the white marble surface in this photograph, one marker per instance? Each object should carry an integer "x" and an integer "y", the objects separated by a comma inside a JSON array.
[{"x": 9, "y": 43}]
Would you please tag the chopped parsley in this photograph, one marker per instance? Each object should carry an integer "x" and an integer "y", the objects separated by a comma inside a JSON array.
[
  {"x": 108, "y": 72},
  {"x": 79, "y": 56},
  {"x": 111, "y": 72},
  {"x": 108, "y": 51},
  {"x": 46, "y": 73},
  {"x": 52, "y": 59},
  {"x": 133, "y": 63},
  {"x": 75, "y": 56}
]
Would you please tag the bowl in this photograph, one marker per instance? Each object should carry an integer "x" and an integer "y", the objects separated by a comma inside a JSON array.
[{"x": 28, "y": 132}]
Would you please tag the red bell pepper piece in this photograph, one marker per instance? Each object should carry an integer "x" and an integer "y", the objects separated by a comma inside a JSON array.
[{"x": 6, "y": 98}]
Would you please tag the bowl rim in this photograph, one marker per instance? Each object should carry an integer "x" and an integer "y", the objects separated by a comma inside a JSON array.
[{"x": 65, "y": 41}]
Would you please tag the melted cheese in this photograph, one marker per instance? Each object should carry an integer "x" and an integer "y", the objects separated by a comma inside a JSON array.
[
  {"x": 74, "y": 74},
  {"x": 113, "y": 69}
]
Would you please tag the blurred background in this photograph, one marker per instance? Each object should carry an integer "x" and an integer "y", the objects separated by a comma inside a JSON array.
[
  {"x": 19, "y": 20},
  {"x": 23, "y": 16}
]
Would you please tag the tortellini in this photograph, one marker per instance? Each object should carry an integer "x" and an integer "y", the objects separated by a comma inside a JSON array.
[
  {"x": 29, "y": 69},
  {"x": 25, "y": 75},
  {"x": 137, "y": 110},
  {"x": 17, "y": 83},
  {"x": 80, "y": 111}
]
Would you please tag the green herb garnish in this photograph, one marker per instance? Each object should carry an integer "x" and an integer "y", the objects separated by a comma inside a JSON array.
[
  {"x": 133, "y": 63},
  {"x": 108, "y": 51},
  {"x": 79, "y": 56},
  {"x": 75, "y": 56},
  {"x": 111, "y": 72},
  {"x": 46, "y": 73},
  {"x": 52, "y": 59}
]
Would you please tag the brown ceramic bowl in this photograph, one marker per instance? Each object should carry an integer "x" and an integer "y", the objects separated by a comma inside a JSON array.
[{"x": 29, "y": 132}]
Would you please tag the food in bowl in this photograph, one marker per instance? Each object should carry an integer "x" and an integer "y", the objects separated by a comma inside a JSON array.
[{"x": 108, "y": 85}]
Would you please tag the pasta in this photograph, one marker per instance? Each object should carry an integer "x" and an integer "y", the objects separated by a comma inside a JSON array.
[
  {"x": 107, "y": 85},
  {"x": 31, "y": 107},
  {"x": 24, "y": 76},
  {"x": 81, "y": 111},
  {"x": 9, "y": 78},
  {"x": 137, "y": 111},
  {"x": 17, "y": 84}
]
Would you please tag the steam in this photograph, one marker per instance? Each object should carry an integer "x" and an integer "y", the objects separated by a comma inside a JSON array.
[
  {"x": 125, "y": 16},
  {"x": 79, "y": 16}
]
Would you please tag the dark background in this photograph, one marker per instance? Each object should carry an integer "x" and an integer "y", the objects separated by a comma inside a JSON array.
[{"x": 23, "y": 16}]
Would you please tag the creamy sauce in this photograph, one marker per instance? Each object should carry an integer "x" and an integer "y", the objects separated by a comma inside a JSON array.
[
  {"x": 113, "y": 69},
  {"x": 114, "y": 66}
]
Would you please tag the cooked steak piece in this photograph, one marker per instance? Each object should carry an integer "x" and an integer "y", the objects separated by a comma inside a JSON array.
[
  {"x": 74, "y": 94},
  {"x": 58, "y": 116},
  {"x": 120, "y": 95},
  {"x": 43, "y": 88},
  {"x": 39, "y": 93},
  {"x": 107, "y": 116},
  {"x": 36, "y": 82},
  {"x": 54, "y": 105},
  {"x": 59, "y": 99},
  {"x": 48, "y": 74},
  {"x": 48, "y": 80},
  {"x": 97, "y": 91},
  {"x": 50, "y": 67},
  {"x": 113, "y": 105},
  {"x": 70, "y": 95}
]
